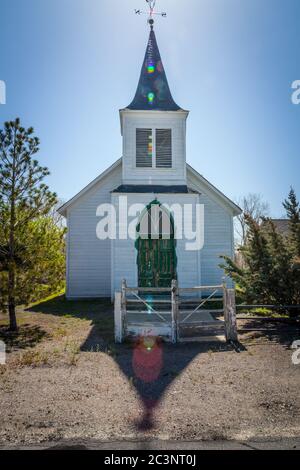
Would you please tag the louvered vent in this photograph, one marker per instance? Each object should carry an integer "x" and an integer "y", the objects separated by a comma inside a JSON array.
[
  {"x": 163, "y": 148},
  {"x": 144, "y": 148}
]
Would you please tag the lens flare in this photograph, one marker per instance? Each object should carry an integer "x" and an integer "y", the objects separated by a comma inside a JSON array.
[
  {"x": 150, "y": 146},
  {"x": 151, "y": 97},
  {"x": 149, "y": 343},
  {"x": 151, "y": 68},
  {"x": 147, "y": 359}
]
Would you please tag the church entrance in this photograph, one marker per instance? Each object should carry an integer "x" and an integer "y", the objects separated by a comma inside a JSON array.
[{"x": 156, "y": 247}]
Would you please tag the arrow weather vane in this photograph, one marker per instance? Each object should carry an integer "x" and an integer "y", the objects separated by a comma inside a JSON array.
[{"x": 151, "y": 13}]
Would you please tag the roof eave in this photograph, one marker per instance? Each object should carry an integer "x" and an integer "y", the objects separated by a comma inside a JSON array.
[
  {"x": 236, "y": 210},
  {"x": 62, "y": 210},
  {"x": 147, "y": 111}
]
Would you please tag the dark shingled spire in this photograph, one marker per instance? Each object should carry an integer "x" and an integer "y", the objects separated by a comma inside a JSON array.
[{"x": 153, "y": 91}]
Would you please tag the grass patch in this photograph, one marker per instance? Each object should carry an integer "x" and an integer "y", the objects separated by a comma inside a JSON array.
[
  {"x": 57, "y": 324},
  {"x": 47, "y": 299},
  {"x": 262, "y": 312},
  {"x": 32, "y": 358},
  {"x": 59, "y": 333}
]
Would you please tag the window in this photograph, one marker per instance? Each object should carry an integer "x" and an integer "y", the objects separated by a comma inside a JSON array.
[
  {"x": 149, "y": 155},
  {"x": 163, "y": 148},
  {"x": 144, "y": 148}
]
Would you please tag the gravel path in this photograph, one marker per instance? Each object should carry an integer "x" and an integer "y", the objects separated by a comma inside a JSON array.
[
  {"x": 198, "y": 395},
  {"x": 150, "y": 391}
]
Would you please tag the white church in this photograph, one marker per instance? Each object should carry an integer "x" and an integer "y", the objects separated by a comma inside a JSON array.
[{"x": 151, "y": 172}]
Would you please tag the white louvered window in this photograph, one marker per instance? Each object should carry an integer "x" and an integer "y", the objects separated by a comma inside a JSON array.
[
  {"x": 144, "y": 148},
  {"x": 149, "y": 155},
  {"x": 163, "y": 148}
]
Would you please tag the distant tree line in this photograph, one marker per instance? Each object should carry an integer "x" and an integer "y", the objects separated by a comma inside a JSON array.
[{"x": 32, "y": 244}]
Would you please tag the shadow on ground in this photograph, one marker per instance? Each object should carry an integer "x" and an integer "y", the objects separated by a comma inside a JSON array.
[
  {"x": 150, "y": 364},
  {"x": 98, "y": 312},
  {"x": 279, "y": 330},
  {"x": 26, "y": 337}
]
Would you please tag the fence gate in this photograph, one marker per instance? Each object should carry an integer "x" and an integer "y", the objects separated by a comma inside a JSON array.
[
  {"x": 201, "y": 313},
  {"x": 176, "y": 314}
]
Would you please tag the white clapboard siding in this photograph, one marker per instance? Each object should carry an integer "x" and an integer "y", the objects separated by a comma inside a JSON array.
[
  {"x": 89, "y": 259},
  {"x": 96, "y": 268},
  {"x": 124, "y": 253},
  {"x": 218, "y": 233}
]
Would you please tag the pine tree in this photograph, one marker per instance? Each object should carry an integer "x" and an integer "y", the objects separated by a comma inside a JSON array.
[
  {"x": 280, "y": 277},
  {"x": 253, "y": 277},
  {"x": 292, "y": 208},
  {"x": 40, "y": 262},
  {"x": 23, "y": 197},
  {"x": 271, "y": 270}
]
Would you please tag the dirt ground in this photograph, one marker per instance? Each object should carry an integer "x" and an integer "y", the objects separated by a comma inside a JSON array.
[{"x": 66, "y": 379}]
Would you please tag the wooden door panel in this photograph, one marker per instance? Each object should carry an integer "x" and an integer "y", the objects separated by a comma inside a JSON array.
[{"x": 156, "y": 262}]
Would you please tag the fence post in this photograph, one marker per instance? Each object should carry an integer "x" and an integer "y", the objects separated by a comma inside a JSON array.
[
  {"x": 230, "y": 315},
  {"x": 224, "y": 291},
  {"x": 123, "y": 307},
  {"x": 175, "y": 310},
  {"x": 118, "y": 318}
]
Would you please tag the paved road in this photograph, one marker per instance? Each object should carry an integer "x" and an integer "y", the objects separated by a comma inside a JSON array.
[{"x": 282, "y": 444}]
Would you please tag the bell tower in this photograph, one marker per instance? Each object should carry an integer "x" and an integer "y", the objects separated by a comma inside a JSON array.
[{"x": 153, "y": 126}]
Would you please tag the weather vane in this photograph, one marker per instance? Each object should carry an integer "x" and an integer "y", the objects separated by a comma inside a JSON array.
[{"x": 151, "y": 13}]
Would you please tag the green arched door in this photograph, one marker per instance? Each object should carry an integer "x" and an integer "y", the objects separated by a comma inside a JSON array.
[
  {"x": 156, "y": 262},
  {"x": 157, "y": 257}
]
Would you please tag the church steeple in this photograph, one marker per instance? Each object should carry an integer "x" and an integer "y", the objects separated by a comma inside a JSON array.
[{"x": 153, "y": 92}]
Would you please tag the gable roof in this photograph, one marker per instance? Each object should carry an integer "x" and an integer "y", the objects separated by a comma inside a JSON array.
[
  {"x": 62, "y": 210},
  {"x": 282, "y": 225},
  {"x": 153, "y": 92},
  {"x": 226, "y": 201},
  {"x": 211, "y": 188}
]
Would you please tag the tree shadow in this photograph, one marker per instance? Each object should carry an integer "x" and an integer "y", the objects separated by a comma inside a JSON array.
[
  {"x": 98, "y": 311},
  {"x": 279, "y": 330},
  {"x": 27, "y": 336}
]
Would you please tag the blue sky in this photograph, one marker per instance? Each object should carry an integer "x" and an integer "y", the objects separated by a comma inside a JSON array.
[{"x": 70, "y": 65}]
